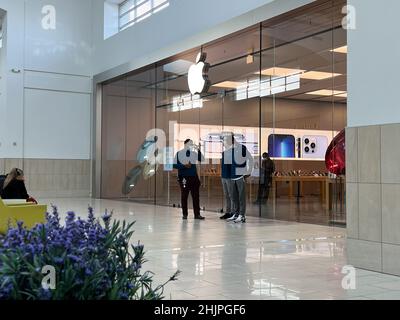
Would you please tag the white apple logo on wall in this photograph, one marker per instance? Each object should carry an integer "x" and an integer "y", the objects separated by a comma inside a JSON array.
[{"x": 198, "y": 77}]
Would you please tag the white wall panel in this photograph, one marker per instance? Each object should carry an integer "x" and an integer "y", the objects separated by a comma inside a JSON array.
[
  {"x": 12, "y": 100},
  {"x": 49, "y": 60},
  {"x": 59, "y": 82},
  {"x": 57, "y": 125},
  {"x": 374, "y": 64},
  {"x": 3, "y": 87},
  {"x": 68, "y": 48}
]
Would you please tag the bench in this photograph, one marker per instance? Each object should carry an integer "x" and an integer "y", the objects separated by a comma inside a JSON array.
[{"x": 12, "y": 211}]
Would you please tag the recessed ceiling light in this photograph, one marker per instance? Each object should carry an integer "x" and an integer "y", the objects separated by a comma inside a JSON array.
[
  {"x": 228, "y": 84},
  {"x": 318, "y": 75},
  {"x": 280, "y": 72},
  {"x": 327, "y": 93},
  {"x": 340, "y": 50}
]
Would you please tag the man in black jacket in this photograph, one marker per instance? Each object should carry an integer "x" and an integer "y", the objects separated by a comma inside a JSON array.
[
  {"x": 267, "y": 169},
  {"x": 189, "y": 182}
]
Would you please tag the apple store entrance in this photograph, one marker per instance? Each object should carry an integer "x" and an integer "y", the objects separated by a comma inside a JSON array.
[{"x": 279, "y": 86}]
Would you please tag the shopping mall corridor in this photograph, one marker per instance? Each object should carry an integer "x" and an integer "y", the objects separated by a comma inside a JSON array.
[{"x": 262, "y": 259}]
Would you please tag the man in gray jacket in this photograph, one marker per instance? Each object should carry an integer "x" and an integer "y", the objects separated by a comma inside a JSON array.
[
  {"x": 226, "y": 178},
  {"x": 242, "y": 167}
]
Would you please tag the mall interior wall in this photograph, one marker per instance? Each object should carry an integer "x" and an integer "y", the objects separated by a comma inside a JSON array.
[
  {"x": 3, "y": 62},
  {"x": 372, "y": 138},
  {"x": 46, "y": 106}
]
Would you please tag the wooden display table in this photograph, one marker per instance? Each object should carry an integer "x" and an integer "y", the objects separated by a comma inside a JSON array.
[{"x": 324, "y": 181}]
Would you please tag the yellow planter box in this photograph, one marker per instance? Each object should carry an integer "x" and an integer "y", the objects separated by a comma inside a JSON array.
[{"x": 29, "y": 214}]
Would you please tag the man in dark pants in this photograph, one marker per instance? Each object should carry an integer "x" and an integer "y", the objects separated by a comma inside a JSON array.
[
  {"x": 226, "y": 178},
  {"x": 189, "y": 182},
  {"x": 242, "y": 167},
  {"x": 267, "y": 169}
]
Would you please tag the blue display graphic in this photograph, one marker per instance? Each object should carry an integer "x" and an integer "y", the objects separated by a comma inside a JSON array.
[{"x": 281, "y": 146}]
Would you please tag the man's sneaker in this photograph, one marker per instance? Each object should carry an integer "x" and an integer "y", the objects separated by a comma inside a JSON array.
[
  {"x": 233, "y": 218},
  {"x": 226, "y": 216},
  {"x": 240, "y": 219},
  {"x": 199, "y": 218}
]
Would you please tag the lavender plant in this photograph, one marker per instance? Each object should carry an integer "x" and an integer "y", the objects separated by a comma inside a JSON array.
[{"x": 92, "y": 261}]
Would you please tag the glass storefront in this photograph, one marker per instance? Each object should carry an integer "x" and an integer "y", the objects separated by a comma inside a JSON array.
[{"x": 279, "y": 86}]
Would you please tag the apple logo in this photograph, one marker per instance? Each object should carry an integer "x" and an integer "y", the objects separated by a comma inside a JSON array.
[{"x": 198, "y": 75}]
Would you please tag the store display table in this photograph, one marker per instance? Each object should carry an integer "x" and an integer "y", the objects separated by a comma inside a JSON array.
[{"x": 324, "y": 181}]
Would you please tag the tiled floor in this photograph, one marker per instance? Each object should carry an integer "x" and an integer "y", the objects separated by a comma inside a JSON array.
[
  {"x": 262, "y": 259},
  {"x": 308, "y": 208}
]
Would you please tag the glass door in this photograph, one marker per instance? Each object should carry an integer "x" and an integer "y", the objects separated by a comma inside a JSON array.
[
  {"x": 128, "y": 115},
  {"x": 303, "y": 112}
]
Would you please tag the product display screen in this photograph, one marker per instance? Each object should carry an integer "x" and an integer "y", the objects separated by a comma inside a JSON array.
[
  {"x": 213, "y": 147},
  {"x": 216, "y": 147},
  {"x": 281, "y": 146},
  {"x": 252, "y": 147}
]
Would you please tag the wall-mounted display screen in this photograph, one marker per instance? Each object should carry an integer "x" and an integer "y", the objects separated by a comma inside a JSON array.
[
  {"x": 213, "y": 146},
  {"x": 314, "y": 146},
  {"x": 281, "y": 146}
]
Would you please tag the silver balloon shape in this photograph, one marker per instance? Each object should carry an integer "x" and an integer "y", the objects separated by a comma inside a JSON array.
[
  {"x": 132, "y": 179},
  {"x": 148, "y": 157},
  {"x": 145, "y": 150},
  {"x": 149, "y": 170}
]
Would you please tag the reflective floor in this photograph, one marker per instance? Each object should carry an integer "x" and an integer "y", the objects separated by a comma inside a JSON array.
[
  {"x": 262, "y": 259},
  {"x": 306, "y": 210}
]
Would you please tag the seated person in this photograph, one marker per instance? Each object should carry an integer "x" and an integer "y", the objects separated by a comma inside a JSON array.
[{"x": 14, "y": 186}]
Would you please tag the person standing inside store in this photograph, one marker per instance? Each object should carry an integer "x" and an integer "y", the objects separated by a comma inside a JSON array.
[
  {"x": 242, "y": 166},
  {"x": 226, "y": 178},
  {"x": 267, "y": 169},
  {"x": 189, "y": 182}
]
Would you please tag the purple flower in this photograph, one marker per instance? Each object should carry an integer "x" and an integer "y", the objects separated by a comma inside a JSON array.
[
  {"x": 70, "y": 217},
  {"x": 106, "y": 217},
  {"x": 123, "y": 296},
  {"x": 74, "y": 258},
  {"x": 6, "y": 289},
  {"x": 91, "y": 218},
  {"x": 136, "y": 266},
  {"x": 20, "y": 225},
  {"x": 44, "y": 294}
]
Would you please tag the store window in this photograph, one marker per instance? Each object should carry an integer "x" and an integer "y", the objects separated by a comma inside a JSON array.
[
  {"x": 134, "y": 11},
  {"x": 280, "y": 87}
]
